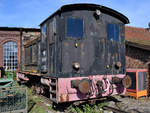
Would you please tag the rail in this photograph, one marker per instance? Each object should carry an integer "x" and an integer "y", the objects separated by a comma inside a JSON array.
[{"x": 113, "y": 109}]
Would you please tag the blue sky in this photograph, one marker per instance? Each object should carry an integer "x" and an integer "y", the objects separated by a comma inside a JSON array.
[{"x": 30, "y": 13}]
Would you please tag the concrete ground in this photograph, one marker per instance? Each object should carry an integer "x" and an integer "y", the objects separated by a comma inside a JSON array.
[{"x": 131, "y": 105}]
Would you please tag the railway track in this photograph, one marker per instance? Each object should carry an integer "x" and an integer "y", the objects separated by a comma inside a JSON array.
[
  {"x": 114, "y": 110},
  {"x": 64, "y": 107}
]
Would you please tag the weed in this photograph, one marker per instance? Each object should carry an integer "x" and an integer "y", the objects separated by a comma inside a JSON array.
[
  {"x": 87, "y": 108},
  {"x": 38, "y": 109}
]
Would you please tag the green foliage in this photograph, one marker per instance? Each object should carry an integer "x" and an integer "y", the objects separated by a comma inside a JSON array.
[
  {"x": 33, "y": 103},
  {"x": 87, "y": 108},
  {"x": 11, "y": 73},
  {"x": 38, "y": 109}
]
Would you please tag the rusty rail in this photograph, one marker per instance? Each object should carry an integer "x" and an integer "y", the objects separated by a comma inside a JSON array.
[{"x": 114, "y": 109}]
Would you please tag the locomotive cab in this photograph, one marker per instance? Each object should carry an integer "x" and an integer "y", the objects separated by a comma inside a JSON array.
[{"x": 91, "y": 43}]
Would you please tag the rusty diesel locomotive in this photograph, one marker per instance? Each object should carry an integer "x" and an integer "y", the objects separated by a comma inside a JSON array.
[{"x": 80, "y": 54}]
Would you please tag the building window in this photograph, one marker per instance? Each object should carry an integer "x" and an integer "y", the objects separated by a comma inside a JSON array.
[{"x": 10, "y": 56}]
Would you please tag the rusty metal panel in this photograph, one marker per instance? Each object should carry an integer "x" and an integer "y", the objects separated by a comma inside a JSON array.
[
  {"x": 31, "y": 57},
  {"x": 35, "y": 54},
  {"x": 27, "y": 56}
]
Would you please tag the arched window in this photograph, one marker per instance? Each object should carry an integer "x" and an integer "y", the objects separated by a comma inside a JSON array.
[{"x": 10, "y": 55}]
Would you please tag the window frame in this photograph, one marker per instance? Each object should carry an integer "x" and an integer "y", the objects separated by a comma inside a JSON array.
[{"x": 10, "y": 55}]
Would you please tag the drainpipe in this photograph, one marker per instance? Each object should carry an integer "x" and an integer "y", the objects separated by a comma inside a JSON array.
[{"x": 20, "y": 66}]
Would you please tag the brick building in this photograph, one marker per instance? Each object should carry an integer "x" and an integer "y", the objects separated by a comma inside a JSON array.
[
  {"x": 138, "y": 49},
  {"x": 10, "y": 45}
]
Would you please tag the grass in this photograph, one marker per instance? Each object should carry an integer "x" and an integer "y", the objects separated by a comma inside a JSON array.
[
  {"x": 84, "y": 108},
  {"x": 37, "y": 104},
  {"x": 87, "y": 108},
  {"x": 38, "y": 109}
]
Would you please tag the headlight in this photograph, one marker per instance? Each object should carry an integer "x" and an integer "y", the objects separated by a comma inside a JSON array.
[
  {"x": 118, "y": 65},
  {"x": 76, "y": 65}
]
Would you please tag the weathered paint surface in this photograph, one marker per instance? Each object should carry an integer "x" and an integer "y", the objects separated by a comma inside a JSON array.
[
  {"x": 21, "y": 76},
  {"x": 66, "y": 93}
]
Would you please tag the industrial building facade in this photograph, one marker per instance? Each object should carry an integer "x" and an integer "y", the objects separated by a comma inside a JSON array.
[{"x": 10, "y": 45}]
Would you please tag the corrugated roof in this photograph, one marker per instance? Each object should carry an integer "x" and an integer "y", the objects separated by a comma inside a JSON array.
[{"x": 137, "y": 35}]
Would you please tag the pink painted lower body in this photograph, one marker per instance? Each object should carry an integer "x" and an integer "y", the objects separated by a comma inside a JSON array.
[{"x": 66, "y": 93}]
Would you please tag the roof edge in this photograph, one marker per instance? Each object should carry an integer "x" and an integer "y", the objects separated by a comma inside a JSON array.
[
  {"x": 19, "y": 29},
  {"x": 135, "y": 27},
  {"x": 141, "y": 46},
  {"x": 112, "y": 12}
]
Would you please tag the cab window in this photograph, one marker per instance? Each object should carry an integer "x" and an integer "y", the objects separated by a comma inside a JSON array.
[
  {"x": 74, "y": 28},
  {"x": 113, "y": 32}
]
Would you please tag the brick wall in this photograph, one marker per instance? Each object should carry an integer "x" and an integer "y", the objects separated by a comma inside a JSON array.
[
  {"x": 137, "y": 58},
  {"x": 6, "y": 36},
  {"x": 14, "y": 35}
]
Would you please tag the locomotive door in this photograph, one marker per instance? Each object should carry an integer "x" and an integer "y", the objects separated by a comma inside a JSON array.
[
  {"x": 52, "y": 58},
  {"x": 51, "y": 46},
  {"x": 43, "y": 50},
  {"x": 115, "y": 49}
]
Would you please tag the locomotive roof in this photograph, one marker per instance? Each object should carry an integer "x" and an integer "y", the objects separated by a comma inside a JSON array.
[{"x": 103, "y": 9}]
